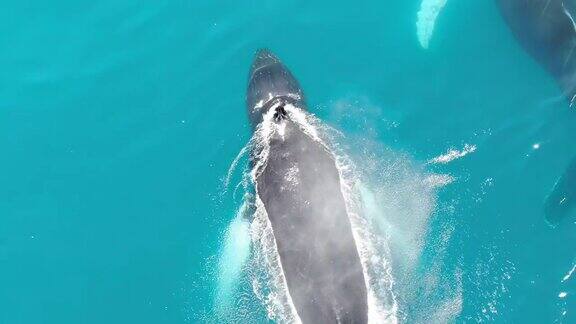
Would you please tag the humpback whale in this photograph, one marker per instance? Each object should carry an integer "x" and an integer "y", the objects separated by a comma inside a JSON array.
[
  {"x": 299, "y": 187},
  {"x": 547, "y": 30}
]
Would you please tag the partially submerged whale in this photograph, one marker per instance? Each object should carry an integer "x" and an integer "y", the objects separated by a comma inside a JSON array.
[
  {"x": 299, "y": 186},
  {"x": 547, "y": 30}
]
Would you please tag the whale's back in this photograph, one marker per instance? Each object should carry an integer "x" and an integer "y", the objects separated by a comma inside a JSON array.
[{"x": 300, "y": 189}]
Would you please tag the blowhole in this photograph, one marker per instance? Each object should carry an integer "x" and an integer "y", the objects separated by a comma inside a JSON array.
[{"x": 280, "y": 113}]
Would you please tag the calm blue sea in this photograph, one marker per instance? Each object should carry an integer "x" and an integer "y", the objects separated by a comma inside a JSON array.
[{"x": 119, "y": 121}]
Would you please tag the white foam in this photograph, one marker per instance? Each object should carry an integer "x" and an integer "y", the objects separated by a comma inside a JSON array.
[
  {"x": 438, "y": 180},
  {"x": 268, "y": 281},
  {"x": 427, "y": 16},
  {"x": 304, "y": 121},
  {"x": 234, "y": 164},
  {"x": 372, "y": 249},
  {"x": 233, "y": 257},
  {"x": 569, "y": 274},
  {"x": 453, "y": 154}
]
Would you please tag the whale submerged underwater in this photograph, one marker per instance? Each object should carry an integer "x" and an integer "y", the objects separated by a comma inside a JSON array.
[{"x": 547, "y": 31}]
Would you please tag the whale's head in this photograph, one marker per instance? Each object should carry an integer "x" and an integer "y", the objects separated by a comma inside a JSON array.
[{"x": 270, "y": 83}]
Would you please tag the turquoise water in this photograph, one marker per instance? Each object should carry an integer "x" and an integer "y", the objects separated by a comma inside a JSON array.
[{"x": 119, "y": 121}]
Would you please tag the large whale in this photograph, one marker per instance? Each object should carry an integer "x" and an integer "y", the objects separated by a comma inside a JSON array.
[
  {"x": 299, "y": 187},
  {"x": 547, "y": 30}
]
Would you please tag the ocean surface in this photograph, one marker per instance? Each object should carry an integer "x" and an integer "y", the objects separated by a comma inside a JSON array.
[{"x": 120, "y": 122}]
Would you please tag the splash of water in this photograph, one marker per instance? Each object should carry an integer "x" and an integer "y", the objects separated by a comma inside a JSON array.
[
  {"x": 233, "y": 298},
  {"x": 569, "y": 274},
  {"x": 233, "y": 257},
  {"x": 375, "y": 225},
  {"x": 453, "y": 154}
]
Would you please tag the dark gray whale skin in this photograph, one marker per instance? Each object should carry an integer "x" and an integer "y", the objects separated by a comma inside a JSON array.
[
  {"x": 547, "y": 30},
  {"x": 300, "y": 190}
]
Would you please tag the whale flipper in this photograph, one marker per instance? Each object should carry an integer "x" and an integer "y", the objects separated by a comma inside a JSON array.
[{"x": 561, "y": 202}]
